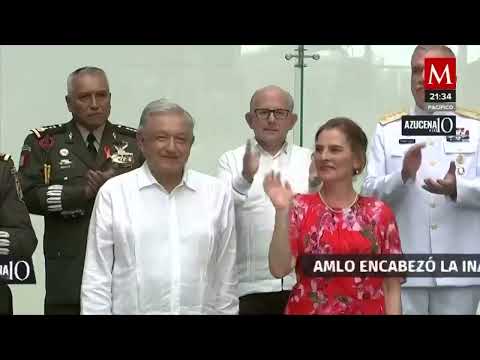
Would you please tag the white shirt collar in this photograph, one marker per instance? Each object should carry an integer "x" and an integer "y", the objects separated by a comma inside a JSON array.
[
  {"x": 146, "y": 178},
  {"x": 285, "y": 149}
]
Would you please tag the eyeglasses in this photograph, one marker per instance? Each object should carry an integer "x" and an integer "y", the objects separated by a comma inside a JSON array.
[{"x": 279, "y": 114}]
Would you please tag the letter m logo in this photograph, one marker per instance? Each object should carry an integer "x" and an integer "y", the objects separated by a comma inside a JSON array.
[{"x": 440, "y": 74}]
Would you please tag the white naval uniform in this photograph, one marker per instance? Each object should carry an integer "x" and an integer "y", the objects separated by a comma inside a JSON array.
[{"x": 431, "y": 223}]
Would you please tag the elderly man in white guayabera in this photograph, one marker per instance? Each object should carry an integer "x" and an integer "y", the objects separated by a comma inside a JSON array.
[{"x": 162, "y": 237}]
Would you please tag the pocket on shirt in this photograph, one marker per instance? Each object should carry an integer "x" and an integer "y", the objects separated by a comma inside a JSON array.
[
  {"x": 399, "y": 150},
  {"x": 465, "y": 148},
  {"x": 395, "y": 159}
]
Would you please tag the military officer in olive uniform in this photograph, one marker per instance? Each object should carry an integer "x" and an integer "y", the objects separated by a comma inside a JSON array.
[
  {"x": 17, "y": 238},
  {"x": 62, "y": 167}
]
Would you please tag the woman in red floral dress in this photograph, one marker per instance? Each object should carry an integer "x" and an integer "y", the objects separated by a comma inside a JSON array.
[{"x": 336, "y": 220}]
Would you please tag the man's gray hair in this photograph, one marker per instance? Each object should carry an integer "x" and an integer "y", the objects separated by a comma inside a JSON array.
[
  {"x": 163, "y": 106},
  {"x": 90, "y": 70}
]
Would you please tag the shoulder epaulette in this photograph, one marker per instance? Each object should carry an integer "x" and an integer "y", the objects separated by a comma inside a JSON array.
[
  {"x": 126, "y": 130},
  {"x": 390, "y": 117},
  {"x": 5, "y": 157},
  {"x": 472, "y": 114},
  {"x": 49, "y": 129}
]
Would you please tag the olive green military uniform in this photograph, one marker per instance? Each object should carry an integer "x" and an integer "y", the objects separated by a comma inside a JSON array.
[
  {"x": 53, "y": 168},
  {"x": 15, "y": 220}
]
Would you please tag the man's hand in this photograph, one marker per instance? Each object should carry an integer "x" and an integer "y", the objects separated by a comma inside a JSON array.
[
  {"x": 251, "y": 162},
  {"x": 95, "y": 179},
  {"x": 412, "y": 161},
  {"x": 447, "y": 186},
  {"x": 4, "y": 243}
]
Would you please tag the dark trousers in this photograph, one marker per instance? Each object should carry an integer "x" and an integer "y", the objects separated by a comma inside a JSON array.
[
  {"x": 62, "y": 309},
  {"x": 271, "y": 303},
  {"x": 6, "y": 303}
]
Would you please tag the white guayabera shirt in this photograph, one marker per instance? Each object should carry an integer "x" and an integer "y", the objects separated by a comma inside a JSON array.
[
  {"x": 151, "y": 252},
  {"x": 255, "y": 214}
]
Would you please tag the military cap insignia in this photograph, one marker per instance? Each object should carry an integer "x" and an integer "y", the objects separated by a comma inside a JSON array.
[{"x": 390, "y": 117}]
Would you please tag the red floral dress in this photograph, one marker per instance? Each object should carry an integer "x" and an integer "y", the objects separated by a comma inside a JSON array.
[{"x": 368, "y": 227}]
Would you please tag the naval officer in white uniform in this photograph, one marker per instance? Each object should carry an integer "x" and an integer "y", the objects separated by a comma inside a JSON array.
[{"x": 433, "y": 186}]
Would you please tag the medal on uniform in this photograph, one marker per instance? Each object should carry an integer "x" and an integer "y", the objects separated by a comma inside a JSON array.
[
  {"x": 462, "y": 135},
  {"x": 47, "y": 170},
  {"x": 65, "y": 163},
  {"x": 122, "y": 158},
  {"x": 46, "y": 142},
  {"x": 64, "y": 152},
  {"x": 70, "y": 138},
  {"x": 460, "y": 159},
  {"x": 459, "y": 162}
]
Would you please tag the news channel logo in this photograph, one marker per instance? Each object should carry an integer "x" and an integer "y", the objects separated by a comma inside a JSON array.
[
  {"x": 16, "y": 271},
  {"x": 428, "y": 125},
  {"x": 440, "y": 83}
]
